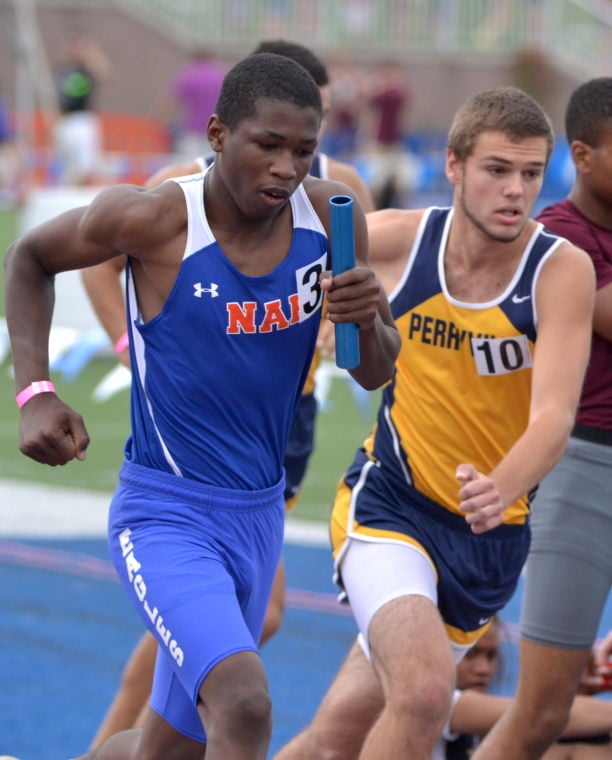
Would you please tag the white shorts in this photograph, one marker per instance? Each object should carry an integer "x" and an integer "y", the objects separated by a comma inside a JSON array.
[{"x": 401, "y": 570}]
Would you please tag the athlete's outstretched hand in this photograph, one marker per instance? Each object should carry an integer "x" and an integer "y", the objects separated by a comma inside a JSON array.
[
  {"x": 479, "y": 499},
  {"x": 51, "y": 432}
]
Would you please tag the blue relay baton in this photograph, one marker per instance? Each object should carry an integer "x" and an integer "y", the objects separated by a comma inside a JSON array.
[{"x": 343, "y": 258}]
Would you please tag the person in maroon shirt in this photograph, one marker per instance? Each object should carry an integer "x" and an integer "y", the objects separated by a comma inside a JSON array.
[
  {"x": 389, "y": 101},
  {"x": 569, "y": 569}
]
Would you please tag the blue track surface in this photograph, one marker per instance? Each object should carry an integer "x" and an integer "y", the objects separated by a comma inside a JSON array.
[{"x": 66, "y": 631}]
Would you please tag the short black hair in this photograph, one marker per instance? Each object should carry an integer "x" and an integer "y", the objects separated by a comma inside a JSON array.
[
  {"x": 265, "y": 76},
  {"x": 589, "y": 110},
  {"x": 298, "y": 53}
]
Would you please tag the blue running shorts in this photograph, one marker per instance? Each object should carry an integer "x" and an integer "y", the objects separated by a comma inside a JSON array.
[{"x": 198, "y": 563}]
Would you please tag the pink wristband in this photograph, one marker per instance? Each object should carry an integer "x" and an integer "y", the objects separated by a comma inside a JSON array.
[
  {"x": 39, "y": 386},
  {"x": 122, "y": 343}
]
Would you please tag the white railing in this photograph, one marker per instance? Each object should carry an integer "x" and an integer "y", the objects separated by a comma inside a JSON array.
[{"x": 576, "y": 34}]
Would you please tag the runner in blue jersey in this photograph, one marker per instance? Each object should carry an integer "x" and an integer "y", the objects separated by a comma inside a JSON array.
[
  {"x": 103, "y": 284},
  {"x": 227, "y": 272}
]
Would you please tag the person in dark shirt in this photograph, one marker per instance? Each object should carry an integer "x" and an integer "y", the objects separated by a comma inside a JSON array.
[
  {"x": 78, "y": 136},
  {"x": 569, "y": 569}
]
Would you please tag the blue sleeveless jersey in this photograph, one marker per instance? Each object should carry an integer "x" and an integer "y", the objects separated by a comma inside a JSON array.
[{"x": 217, "y": 374}]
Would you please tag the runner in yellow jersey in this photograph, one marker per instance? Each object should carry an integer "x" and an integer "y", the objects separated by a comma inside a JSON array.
[{"x": 430, "y": 524}]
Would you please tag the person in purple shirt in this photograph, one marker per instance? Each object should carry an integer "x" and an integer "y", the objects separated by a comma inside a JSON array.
[
  {"x": 569, "y": 569},
  {"x": 196, "y": 88}
]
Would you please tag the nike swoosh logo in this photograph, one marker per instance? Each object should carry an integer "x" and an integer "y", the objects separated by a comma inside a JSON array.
[
  {"x": 483, "y": 621},
  {"x": 519, "y": 299}
]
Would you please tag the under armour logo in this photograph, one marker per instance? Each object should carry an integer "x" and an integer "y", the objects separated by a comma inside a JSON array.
[{"x": 198, "y": 289}]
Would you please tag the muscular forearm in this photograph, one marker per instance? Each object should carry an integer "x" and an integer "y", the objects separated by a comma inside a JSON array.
[
  {"x": 476, "y": 713},
  {"x": 589, "y": 717},
  {"x": 533, "y": 455},
  {"x": 28, "y": 318}
]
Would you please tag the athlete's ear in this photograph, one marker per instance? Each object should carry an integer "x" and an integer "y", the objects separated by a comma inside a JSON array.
[
  {"x": 453, "y": 167},
  {"x": 582, "y": 156},
  {"x": 215, "y": 132}
]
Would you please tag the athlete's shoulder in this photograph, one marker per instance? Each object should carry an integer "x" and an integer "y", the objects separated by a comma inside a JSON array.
[
  {"x": 559, "y": 251},
  {"x": 391, "y": 234},
  {"x": 395, "y": 221},
  {"x": 567, "y": 273},
  {"x": 137, "y": 217}
]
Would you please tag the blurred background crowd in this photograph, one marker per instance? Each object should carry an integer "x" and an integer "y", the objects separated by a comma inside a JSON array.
[{"x": 133, "y": 82}]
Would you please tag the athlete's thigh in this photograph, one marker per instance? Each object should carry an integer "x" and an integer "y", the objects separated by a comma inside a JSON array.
[
  {"x": 201, "y": 634},
  {"x": 401, "y": 570},
  {"x": 472, "y": 577},
  {"x": 186, "y": 595},
  {"x": 409, "y": 647}
]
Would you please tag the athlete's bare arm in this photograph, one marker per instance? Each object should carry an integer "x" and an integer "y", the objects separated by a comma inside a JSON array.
[
  {"x": 145, "y": 226},
  {"x": 564, "y": 300},
  {"x": 391, "y": 235},
  {"x": 103, "y": 283},
  {"x": 477, "y": 712}
]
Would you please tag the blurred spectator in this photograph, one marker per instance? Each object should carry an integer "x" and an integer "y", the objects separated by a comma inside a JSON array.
[
  {"x": 347, "y": 101},
  {"x": 11, "y": 174},
  {"x": 78, "y": 135},
  {"x": 389, "y": 102},
  {"x": 196, "y": 88}
]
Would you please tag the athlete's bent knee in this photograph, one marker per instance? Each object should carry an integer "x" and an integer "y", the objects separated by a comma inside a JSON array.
[{"x": 247, "y": 713}]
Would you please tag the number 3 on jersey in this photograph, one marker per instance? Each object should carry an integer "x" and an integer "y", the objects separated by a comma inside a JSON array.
[
  {"x": 309, "y": 291},
  {"x": 499, "y": 356}
]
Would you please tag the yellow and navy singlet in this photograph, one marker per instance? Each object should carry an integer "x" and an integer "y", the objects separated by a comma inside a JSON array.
[
  {"x": 462, "y": 383},
  {"x": 218, "y": 373}
]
